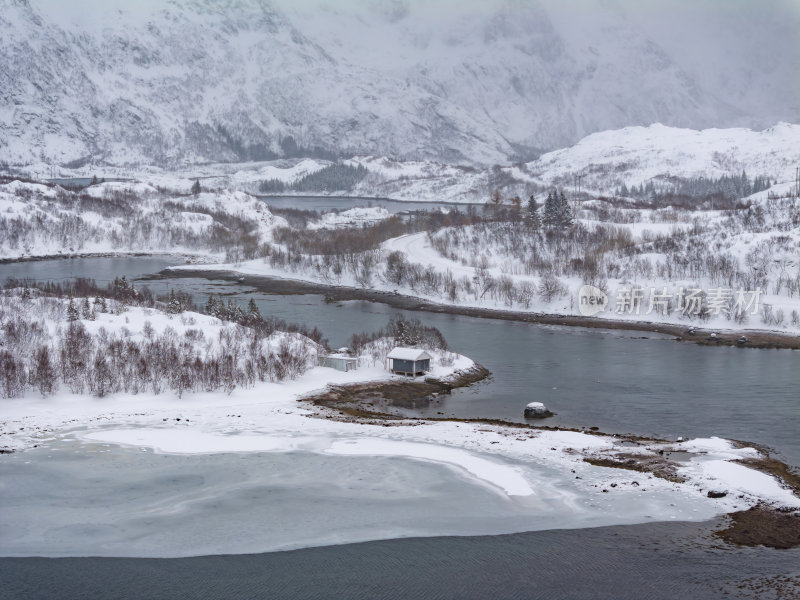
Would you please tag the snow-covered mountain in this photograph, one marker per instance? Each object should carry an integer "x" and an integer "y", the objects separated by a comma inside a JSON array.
[
  {"x": 604, "y": 162},
  {"x": 190, "y": 81},
  {"x": 636, "y": 155}
]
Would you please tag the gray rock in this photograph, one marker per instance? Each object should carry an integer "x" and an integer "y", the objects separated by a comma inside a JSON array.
[{"x": 536, "y": 410}]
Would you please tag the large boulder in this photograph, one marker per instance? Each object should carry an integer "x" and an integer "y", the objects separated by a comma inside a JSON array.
[{"x": 537, "y": 410}]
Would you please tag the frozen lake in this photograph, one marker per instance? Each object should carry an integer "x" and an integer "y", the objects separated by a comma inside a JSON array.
[{"x": 73, "y": 498}]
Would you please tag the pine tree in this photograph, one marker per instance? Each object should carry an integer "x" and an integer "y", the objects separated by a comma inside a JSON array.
[
  {"x": 551, "y": 210},
  {"x": 252, "y": 309},
  {"x": 253, "y": 316},
  {"x": 564, "y": 211},
  {"x": 211, "y": 307},
  {"x": 72, "y": 312},
  {"x": 196, "y": 187},
  {"x": 533, "y": 214},
  {"x": 86, "y": 311},
  {"x": 174, "y": 304}
]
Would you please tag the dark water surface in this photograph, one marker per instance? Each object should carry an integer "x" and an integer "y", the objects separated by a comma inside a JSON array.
[
  {"x": 328, "y": 203},
  {"x": 102, "y": 269},
  {"x": 639, "y": 562}
]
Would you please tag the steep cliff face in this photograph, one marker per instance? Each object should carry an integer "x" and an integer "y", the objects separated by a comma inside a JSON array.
[{"x": 193, "y": 81}]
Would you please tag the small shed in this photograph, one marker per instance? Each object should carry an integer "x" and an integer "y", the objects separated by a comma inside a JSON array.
[
  {"x": 409, "y": 361},
  {"x": 340, "y": 362}
]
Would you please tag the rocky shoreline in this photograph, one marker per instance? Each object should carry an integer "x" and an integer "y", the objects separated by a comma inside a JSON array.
[{"x": 760, "y": 525}]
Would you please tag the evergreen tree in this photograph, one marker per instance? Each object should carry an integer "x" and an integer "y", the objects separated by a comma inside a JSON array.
[
  {"x": 213, "y": 307},
  {"x": 86, "y": 311},
  {"x": 564, "y": 211},
  {"x": 252, "y": 309},
  {"x": 196, "y": 187},
  {"x": 72, "y": 311},
  {"x": 551, "y": 210},
  {"x": 174, "y": 305},
  {"x": 533, "y": 213},
  {"x": 336, "y": 177},
  {"x": 253, "y": 316}
]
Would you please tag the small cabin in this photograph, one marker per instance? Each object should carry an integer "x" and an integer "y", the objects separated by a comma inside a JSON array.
[
  {"x": 409, "y": 361},
  {"x": 339, "y": 362}
]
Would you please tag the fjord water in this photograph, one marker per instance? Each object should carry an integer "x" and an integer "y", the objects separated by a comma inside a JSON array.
[
  {"x": 658, "y": 561},
  {"x": 614, "y": 380},
  {"x": 619, "y": 381},
  {"x": 328, "y": 203}
]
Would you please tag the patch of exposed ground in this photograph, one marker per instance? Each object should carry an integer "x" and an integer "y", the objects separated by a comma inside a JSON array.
[
  {"x": 655, "y": 464},
  {"x": 762, "y": 526}
]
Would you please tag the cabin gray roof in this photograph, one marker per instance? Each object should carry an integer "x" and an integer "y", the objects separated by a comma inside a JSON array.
[{"x": 409, "y": 354}]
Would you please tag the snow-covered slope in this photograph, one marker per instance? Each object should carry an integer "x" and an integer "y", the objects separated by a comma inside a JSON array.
[
  {"x": 36, "y": 220},
  {"x": 604, "y": 161},
  {"x": 196, "y": 81},
  {"x": 635, "y": 155}
]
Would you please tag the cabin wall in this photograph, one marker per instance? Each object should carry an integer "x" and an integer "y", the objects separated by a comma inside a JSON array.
[
  {"x": 404, "y": 366},
  {"x": 340, "y": 364},
  {"x": 407, "y": 366}
]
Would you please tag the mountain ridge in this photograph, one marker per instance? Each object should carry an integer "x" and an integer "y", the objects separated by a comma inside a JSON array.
[{"x": 193, "y": 81}]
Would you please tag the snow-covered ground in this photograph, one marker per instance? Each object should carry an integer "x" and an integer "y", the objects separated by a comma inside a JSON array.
[
  {"x": 486, "y": 259},
  {"x": 128, "y": 217},
  {"x": 268, "y": 418},
  {"x": 354, "y": 217},
  {"x": 230, "y": 228},
  {"x": 763, "y": 240}
]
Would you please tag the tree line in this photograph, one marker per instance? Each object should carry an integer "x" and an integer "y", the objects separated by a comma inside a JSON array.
[
  {"x": 333, "y": 178},
  {"x": 106, "y": 362}
]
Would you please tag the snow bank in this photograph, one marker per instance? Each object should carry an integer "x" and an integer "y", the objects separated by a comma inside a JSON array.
[
  {"x": 502, "y": 476},
  {"x": 354, "y": 217},
  {"x": 739, "y": 480}
]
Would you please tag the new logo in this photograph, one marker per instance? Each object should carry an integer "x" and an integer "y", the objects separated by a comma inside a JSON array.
[{"x": 591, "y": 300}]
